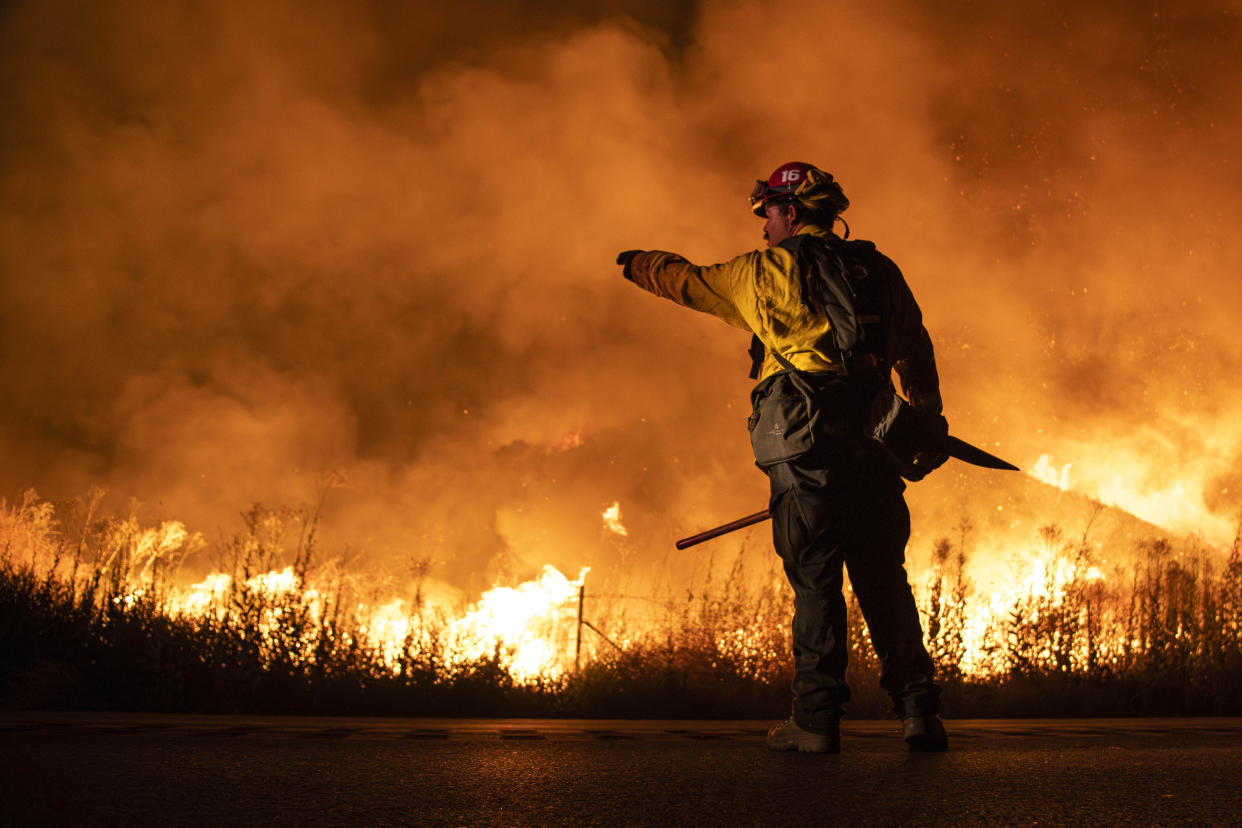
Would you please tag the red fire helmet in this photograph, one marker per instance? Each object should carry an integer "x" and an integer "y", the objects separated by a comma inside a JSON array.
[{"x": 794, "y": 178}]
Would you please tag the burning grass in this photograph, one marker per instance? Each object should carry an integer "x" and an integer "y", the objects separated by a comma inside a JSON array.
[{"x": 92, "y": 615}]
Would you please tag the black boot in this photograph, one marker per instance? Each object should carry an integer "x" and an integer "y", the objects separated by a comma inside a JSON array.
[{"x": 926, "y": 733}]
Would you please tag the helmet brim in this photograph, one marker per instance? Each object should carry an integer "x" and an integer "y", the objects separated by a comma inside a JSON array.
[{"x": 760, "y": 207}]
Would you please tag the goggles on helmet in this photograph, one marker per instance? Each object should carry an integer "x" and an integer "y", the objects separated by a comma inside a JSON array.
[
  {"x": 762, "y": 194},
  {"x": 788, "y": 180}
]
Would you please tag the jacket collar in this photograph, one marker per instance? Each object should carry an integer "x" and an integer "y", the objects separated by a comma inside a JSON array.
[{"x": 813, "y": 230}]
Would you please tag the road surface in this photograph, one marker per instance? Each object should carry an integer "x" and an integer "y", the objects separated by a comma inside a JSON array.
[{"x": 122, "y": 769}]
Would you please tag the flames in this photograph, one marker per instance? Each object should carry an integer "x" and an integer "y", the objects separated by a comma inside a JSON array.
[
  {"x": 529, "y": 628},
  {"x": 526, "y": 627},
  {"x": 533, "y": 629},
  {"x": 1131, "y": 267},
  {"x": 528, "y": 622},
  {"x": 1042, "y": 581},
  {"x": 612, "y": 519},
  {"x": 1045, "y": 472},
  {"x": 209, "y": 594},
  {"x": 1125, "y": 480}
]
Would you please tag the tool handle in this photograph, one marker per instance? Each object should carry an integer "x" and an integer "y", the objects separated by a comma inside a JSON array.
[{"x": 740, "y": 523}]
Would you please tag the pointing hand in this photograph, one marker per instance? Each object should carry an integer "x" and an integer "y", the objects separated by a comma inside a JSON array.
[{"x": 624, "y": 258}]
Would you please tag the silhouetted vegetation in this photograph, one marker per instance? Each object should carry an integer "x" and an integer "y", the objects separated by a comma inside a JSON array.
[{"x": 89, "y": 618}]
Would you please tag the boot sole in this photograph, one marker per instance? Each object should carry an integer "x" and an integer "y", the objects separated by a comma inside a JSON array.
[
  {"x": 924, "y": 744},
  {"x": 807, "y": 746}
]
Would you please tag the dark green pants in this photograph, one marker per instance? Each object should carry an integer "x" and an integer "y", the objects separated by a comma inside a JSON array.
[{"x": 842, "y": 505}]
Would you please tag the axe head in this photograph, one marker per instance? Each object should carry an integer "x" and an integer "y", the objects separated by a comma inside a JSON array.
[
  {"x": 976, "y": 456},
  {"x": 904, "y": 435}
]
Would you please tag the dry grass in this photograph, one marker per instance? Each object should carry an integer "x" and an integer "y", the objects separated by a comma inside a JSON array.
[{"x": 90, "y": 619}]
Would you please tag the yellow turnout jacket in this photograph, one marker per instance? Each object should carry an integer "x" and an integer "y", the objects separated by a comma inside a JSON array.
[{"x": 761, "y": 292}]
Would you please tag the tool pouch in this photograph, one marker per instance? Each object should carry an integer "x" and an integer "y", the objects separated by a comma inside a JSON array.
[{"x": 784, "y": 418}]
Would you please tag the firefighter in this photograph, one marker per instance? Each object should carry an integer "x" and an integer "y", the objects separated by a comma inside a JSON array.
[{"x": 836, "y": 494}]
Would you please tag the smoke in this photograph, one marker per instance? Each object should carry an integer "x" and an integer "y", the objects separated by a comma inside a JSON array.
[{"x": 243, "y": 248}]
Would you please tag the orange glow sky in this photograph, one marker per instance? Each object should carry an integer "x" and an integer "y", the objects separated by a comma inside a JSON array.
[{"x": 245, "y": 245}]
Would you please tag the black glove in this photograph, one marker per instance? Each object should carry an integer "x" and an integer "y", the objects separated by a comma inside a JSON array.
[
  {"x": 935, "y": 433},
  {"x": 624, "y": 258},
  {"x": 935, "y": 427}
]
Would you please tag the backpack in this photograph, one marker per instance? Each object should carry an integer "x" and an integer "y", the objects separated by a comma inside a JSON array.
[{"x": 836, "y": 283}]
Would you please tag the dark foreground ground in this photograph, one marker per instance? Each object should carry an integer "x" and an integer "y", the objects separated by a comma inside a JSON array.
[{"x": 92, "y": 769}]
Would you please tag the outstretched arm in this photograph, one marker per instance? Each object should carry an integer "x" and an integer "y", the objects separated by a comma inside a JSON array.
[{"x": 708, "y": 289}]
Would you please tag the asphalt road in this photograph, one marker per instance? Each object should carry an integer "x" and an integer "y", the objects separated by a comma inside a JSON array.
[{"x": 108, "y": 769}]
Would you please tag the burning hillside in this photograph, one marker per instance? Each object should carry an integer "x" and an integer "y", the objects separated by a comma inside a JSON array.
[{"x": 247, "y": 248}]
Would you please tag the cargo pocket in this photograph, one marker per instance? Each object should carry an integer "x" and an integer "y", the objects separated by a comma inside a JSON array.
[{"x": 782, "y": 421}]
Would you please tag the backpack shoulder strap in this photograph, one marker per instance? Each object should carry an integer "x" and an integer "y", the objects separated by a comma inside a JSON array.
[{"x": 826, "y": 288}]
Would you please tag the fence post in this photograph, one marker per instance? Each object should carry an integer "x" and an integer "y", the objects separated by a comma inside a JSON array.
[{"x": 578, "y": 639}]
